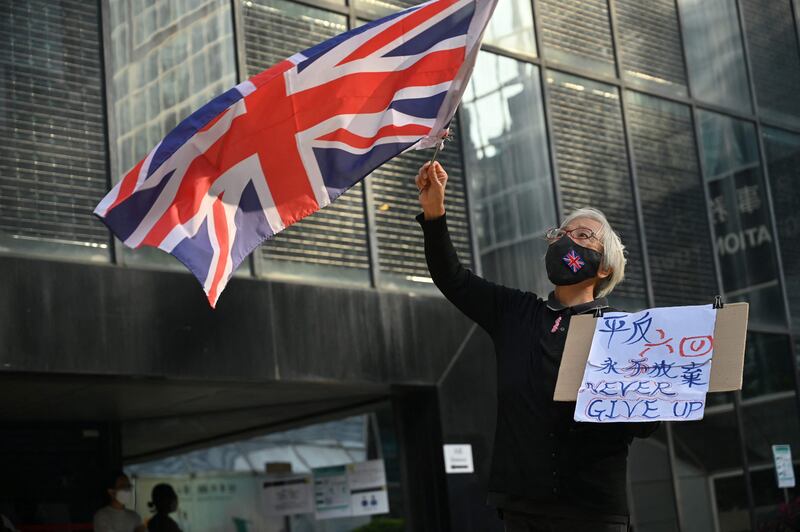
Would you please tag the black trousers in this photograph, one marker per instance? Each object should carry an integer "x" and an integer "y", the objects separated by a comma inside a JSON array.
[{"x": 517, "y": 522}]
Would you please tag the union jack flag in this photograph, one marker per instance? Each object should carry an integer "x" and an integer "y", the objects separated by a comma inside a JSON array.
[
  {"x": 574, "y": 261},
  {"x": 290, "y": 140}
]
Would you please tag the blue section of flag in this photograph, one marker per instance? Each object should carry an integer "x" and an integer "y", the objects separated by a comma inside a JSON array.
[
  {"x": 452, "y": 26},
  {"x": 420, "y": 107},
  {"x": 196, "y": 252},
  {"x": 126, "y": 217},
  {"x": 251, "y": 224},
  {"x": 342, "y": 169}
]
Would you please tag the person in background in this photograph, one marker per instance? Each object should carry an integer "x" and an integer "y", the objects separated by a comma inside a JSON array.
[
  {"x": 164, "y": 502},
  {"x": 116, "y": 517}
]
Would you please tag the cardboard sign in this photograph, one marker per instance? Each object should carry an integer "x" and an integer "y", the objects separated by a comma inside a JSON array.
[{"x": 730, "y": 332}]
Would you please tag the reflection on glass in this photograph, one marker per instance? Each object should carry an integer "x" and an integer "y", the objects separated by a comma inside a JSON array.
[
  {"x": 783, "y": 162},
  {"x": 511, "y": 27},
  {"x": 671, "y": 191},
  {"x": 714, "y": 53},
  {"x": 650, "y": 44},
  {"x": 167, "y": 59},
  {"x": 774, "y": 58},
  {"x": 593, "y": 168},
  {"x": 768, "y": 423},
  {"x": 705, "y": 449},
  {"x": 577, "y": 33},
  {"x": 770, "y": 500},
  {"x": 508, "y": 170},
  {"x": 650, "y": 489},
  {"x": 767, "y": 365},
  {"x": 742, "y": 230},
  {"x": 52, "y": 132},
  {"x": 730, "y": 492}
]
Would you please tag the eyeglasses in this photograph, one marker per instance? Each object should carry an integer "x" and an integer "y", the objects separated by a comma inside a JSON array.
[{"x": 581, "y": 234}]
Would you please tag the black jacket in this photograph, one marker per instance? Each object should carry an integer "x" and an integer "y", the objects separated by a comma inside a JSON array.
[{"x": 543, "y": 462}]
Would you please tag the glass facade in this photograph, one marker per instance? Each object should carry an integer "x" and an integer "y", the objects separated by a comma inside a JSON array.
[
  {"x": 680, "y": 120},
  {"x": 782, "y": 152},
  {"x": 53, "y": 153},
  {"x": 742, "y": 229},
  {"x": 675, "y": 222},
  {"x": 593, "y": 166},
  {"x": 714, "y": 52},
  {"x": 508, "y": 169},
  {"x": 165, "y": 60}
]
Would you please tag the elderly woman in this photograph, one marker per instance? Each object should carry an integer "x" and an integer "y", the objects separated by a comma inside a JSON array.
[{"x": 548, "y": 472}]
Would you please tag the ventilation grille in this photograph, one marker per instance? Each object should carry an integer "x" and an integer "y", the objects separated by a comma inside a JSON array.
[
  {"x": 591, "y": 155},
  {"x": 577, "y": 32},
  {"x": 400, "y": 243},
  {"x": 651, "y": 43},
  {"x": 53, "y": 154},
  {"x": 671, "y": 188},
  {"x": 774, "y": 57}
]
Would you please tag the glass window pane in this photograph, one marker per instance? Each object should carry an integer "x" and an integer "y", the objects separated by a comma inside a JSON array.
[
  {"x": 333, "y": 241},
  {"x": 714, "y": 52},
  {"x": 774, "y": 58},
  {"x": 783, "y": 162},
  {"x": 593, "y": 169},
  {"x": 52, "y": 149},
  {"x": 650, "y": 43},
  {"x": 730, "y": 493},
  {"x": 511, "y": 27},
  {"x": 381, "y": 8},
  {"x": 767, "y": 365},
  {"x": 742, "y": 230},
  {"x": 703, "y": 450},
  {"x": 167, "y": 60},
  {"x": 401, "y": 255},
  {"x": 650, "y": 488},
  {"x": 770, "y": 500},
  {"x": 577, "y": 33},
  {"x": 507, "y": 161},
  {"x": 671, "y": 191}
]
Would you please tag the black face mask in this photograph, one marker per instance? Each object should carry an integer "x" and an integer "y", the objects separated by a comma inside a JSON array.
[{"x": 569, "y": 263}]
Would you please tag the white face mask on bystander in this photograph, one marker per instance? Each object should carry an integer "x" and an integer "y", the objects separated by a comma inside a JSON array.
[{"x": 124, "y": 497}]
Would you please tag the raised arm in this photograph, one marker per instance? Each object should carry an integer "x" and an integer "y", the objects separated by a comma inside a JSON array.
[{"x": 480, "y": 300}]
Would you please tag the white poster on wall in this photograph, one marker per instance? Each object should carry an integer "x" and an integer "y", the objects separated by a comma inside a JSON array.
[
  {"x": 458, "y": 458},
  {"x": 350, "y": 490},
  {"x": 368, "y": 493},
  {"x": 288, "y": 494},
  {"x": 784, "y": 469},
  {"x": 331, "y": 492}
]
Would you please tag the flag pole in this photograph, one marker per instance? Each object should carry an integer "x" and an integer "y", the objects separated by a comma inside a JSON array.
[{"x": 440, "y": 144}]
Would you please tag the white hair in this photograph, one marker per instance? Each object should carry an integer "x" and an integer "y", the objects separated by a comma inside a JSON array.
[{"x": 613, "y": 249}]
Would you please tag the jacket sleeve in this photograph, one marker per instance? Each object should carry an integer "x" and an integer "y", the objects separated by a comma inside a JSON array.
[{"x": 480, "y": 300}]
